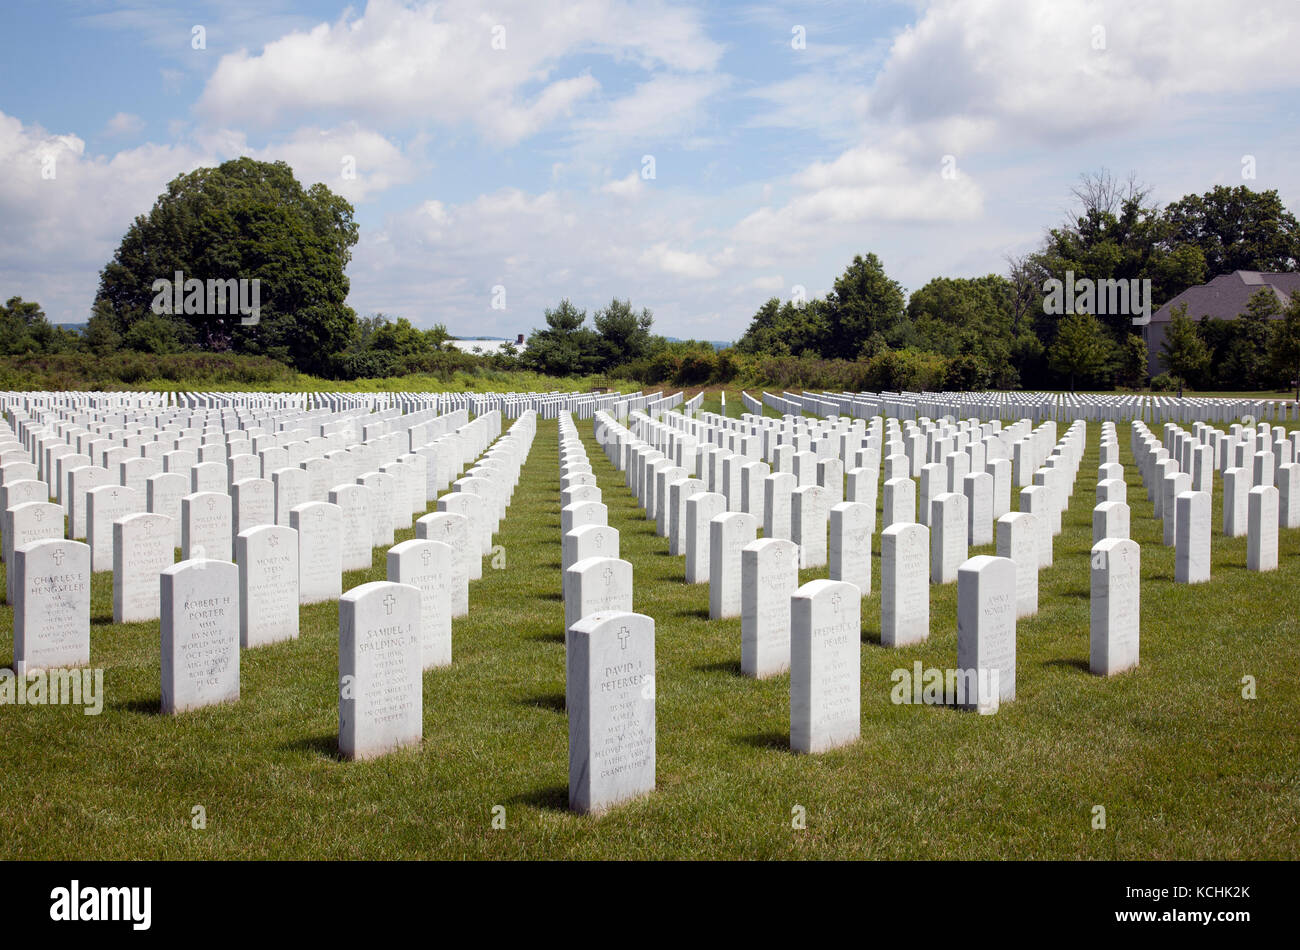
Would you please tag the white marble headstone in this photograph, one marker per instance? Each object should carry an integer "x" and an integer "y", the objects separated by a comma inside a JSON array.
[
  {"x": 268, "y": 584},
  {"x": 904, "y": 584},
  {"x": 610, "y": 694},
  {"x": 142, "y": 549},
  {"x": 51, "y": 605},
  {"x": 825, "y": 666},
  {"x": 381, "y": 695},
  {"x": 426, "y": 565},
  {"x": 200, "y": 634},
  {"x": 986, "y": 632},
  {"x": 769, "y": 569},
  {"x": 1115, "y": 612}
]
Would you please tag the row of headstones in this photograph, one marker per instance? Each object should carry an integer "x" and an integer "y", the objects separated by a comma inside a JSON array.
[
  {"x": 128, "y": 457},
  {"x": 585, "y": 534},
  {"x": 1035, "y": 405},
  {"x": 408, "y": 479},
  {"x": 805, "y": 513},
  {"x": 849, "y": 559},
  {"x": 610, "y": 659},
  {"x": 390, "y": 631},
  {"x": 69, "y": 478},
  {"x": 921, "y": 441},
  {"x": 330, "y": 536},
  {"x": 278, "y": 569},
  {"x": 968, "y": 443},
  {"x": 911, "y": 405},
  {"x": 1179, "y": 478},
  {"x": 609, "y": 651},
  {"x": 721, "y": 546},
  {"x": 211, "y": 435},
  {"x": 178, "y": 440}
]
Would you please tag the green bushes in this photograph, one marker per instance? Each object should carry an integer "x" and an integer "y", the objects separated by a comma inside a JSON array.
[
  {"x": 682, "y": 364},
  {"x": 125, "y": 370},
  {"x": 908, "y": 370},
  {"x": 369, "y": 364},
  {"x": 912, "y": 370}
]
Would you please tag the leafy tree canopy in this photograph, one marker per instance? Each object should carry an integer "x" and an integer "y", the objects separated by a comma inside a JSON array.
[{"x": 244, "y": 220}]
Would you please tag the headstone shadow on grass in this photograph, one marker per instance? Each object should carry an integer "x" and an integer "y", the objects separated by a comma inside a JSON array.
[
  {"x": 1077, "y": 663},
  {"x": 148, "y": 706},
  {"x": 551, "y": 701},
  {"x": 325, "y": 745},
  {"x": 723, "y": 666},
  {"x": 775, "y": 740},
  {"x": 551, "y": 798}
]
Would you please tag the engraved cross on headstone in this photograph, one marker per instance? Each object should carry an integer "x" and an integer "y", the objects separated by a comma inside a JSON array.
[
  {"x": 389, "y": 601},
  {"x": 623, "y": 635}
]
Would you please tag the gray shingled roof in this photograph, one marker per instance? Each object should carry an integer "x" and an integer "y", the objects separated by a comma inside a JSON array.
[{"x": 1225, "y": 297}]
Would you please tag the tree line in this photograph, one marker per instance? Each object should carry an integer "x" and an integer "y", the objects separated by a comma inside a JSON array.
[
  {"x": 996, "y": 331},
  {"x": 255, "y": 220}
]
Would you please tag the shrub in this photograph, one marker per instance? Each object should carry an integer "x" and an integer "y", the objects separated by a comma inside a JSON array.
[
  {"x": 86, "y": 371},
  {"x": 724, "y": 367},
  {"x": 370, "y": 364},
  {"x": 695, "y": 368},
  {"x": 966, "y": 373}
]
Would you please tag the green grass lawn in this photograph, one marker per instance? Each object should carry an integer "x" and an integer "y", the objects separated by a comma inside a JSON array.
[{"x": 1184, "y": 766}]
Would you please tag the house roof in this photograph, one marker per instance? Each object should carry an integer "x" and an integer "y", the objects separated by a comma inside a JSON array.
[{"x": 1226, "y": 297}]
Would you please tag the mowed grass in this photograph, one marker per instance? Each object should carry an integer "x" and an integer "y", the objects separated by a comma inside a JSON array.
[{"x": 1184, "y": 766}]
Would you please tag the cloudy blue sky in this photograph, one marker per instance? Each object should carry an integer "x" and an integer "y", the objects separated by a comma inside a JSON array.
[{"x": 509, "y": 142}]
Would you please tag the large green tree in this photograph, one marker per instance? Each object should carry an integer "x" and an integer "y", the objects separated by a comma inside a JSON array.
[
  {"x": 1235, "y": 229},
  {"x": 1247, "y": 360},
  {"x": 243, "y": 220},
  {"x": 785, "y": 329},
  {"x": 1081, "y": 349},
  {"x": 1284, "y": 346},
  {"x": 862, "y": 314},
  {"x": 1114, "y": 233},
  {"x": 864, "y": 303},
  {"x": 1182, "y": 351},
  {"x": 565, "y": 347},
  {"x": 25, "y": 329},
  {"x": 624, "y": 333},
  {"x": 968, "y": 317}
]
